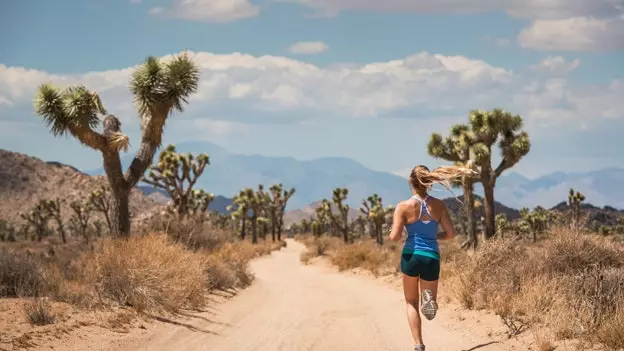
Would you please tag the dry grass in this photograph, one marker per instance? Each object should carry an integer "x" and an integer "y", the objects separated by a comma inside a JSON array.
[
  {"x": 39, "y": 312},
  {"x": 148, "y": 273},
  {"x": 571, "y": 283}
]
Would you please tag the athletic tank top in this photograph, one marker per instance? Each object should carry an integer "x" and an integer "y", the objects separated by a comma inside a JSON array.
[{"x": 422, "y": 236}]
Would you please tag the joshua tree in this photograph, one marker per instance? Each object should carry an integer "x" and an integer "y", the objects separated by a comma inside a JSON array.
[
  {"x": 53, "y": 207},
  {"x": 277, "y": 208},
  {"x": 177, "y": 174},
  {"x": 37, "y": 219},
  {"x": 79, "y": 221},
  {"x": 321, "y": 220},
  {"x": 159, "y": 89},
  {"x": 240, "y": 211},
  {"x": 502, "y": 224},
  {"x": 574, "y": 201},
  {"x": 456, "y": 148},
  {"x": 489, "y": 128},
  {"x": 255, "y": 204},
  {"x": 100, "y": 200},
  {"x": 7, "y": 231},
  {"x": 339, "y": 220},
  {"x": 376, "y": 214},
  {"x": 534, "y": 222}
]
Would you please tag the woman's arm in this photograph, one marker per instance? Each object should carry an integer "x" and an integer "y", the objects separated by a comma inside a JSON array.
[
  {"x": 447, "y": 225},
  {"x": 398, "y": 223}
]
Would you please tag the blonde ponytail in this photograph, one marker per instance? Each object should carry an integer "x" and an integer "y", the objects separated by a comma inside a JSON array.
[{"x": 421, "y": 178}]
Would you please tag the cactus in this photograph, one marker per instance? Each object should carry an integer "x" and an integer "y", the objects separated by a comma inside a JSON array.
[
  {"x": 339, "y": 220},
  {"x": 177, "y": 174},
  {"x": 101, "y": 202},
  {"x": 53, "y": 207},
  {"x": 7, "y": 231},
  {"x": 37, "y": 219},
  {"x": 533, "y": 222},
  {"x": 489, "y": 128},
  {"x": 456, "y": 148},
  {"x": 240, "y": 211},
  {"x": 321, "y": 220},
  {"x": 79, "y": 221},
  {"x": 376, "y": 214},
  {"x": 159, "y": 89},
  {"x": 574, "y": 202},
  {"x": 502, "y": 224}
]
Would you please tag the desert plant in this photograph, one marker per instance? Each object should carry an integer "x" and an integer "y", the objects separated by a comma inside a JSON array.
[
  {"x": 54, "y": 211},
  {"x": 457, "y": 148},
  {"x": 240, "y": 211},
  {"x": 489, "y": 128},
  {"x": 533, "y": 222},
  {"x": 39, "y": 312},
  {"x": 37, "y": 219},
  {"x": 79, "y": 221},
  {"x": 177, "y": 174},
  {"x": 101, "y": 202},
  {"x": 159, "y": 89},
  {"x": 339, "y": 220},
  {"x": 377, "y": 214},
  {"x": 575, "y": 200},
  {"x": 502, "y": 224},
  {"x": 7, "y": 231}
]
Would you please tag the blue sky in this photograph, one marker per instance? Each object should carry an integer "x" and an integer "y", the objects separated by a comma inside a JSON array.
[{"x": 366, "y": 79}]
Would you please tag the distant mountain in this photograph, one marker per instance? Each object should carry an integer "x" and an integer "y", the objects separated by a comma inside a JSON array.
[{"x": 315, "y": 180}]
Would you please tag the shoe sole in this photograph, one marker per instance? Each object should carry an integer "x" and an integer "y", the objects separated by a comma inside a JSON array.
[{"x": 429, "y": 309}]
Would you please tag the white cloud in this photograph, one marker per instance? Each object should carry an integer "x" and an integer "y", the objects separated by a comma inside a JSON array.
[
  {"x": 241, "y": 87},
  {"x": 209, "y": 10},
  {"x": 574, "y": 34},
  {"x": 556, "y": 65},
  {"x": 579, "y": 25},
  {"x": 308, "y": 47},
  {"x": 530, "y": 9}
]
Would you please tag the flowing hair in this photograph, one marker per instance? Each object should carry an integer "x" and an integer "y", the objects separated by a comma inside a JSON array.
[{"x": 421, "y": 178}]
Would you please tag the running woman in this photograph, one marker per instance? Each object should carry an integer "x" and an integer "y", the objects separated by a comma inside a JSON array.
[{"x": 420, "y": 259}]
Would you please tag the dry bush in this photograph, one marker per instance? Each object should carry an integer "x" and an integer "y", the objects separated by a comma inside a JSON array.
[
  {"x": 149, "y": 273},
  {"x": 318, "y": 246},
  {"x": 366, "y": 254},
  {"x": 191, "y": 232},
  {"x": 39, "y": 312},
  {"x": 22, "y": 275},
  {"x": 571, "y": 283}
]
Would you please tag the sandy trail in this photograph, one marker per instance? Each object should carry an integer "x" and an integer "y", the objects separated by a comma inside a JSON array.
[{"x": 295, "y": 307}]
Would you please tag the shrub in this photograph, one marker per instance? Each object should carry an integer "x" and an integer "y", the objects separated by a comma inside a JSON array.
[{"x": 39, "y": 312}]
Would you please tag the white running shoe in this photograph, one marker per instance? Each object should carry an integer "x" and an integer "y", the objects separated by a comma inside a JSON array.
[
  {"x": 429, "y": 305},
  {"x": 419, "y": 347}
]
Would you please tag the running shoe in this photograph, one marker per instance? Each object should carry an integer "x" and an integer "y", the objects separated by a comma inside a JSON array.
[
  {"x": 429, "y": 305},
  {"x": 419, "y": 347}
]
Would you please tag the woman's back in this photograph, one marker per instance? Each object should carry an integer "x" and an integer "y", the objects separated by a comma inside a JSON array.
[{"x": 421, "y": 218}]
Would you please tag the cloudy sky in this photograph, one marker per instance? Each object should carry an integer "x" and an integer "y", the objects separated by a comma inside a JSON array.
[{"x": 365, "y": 79}]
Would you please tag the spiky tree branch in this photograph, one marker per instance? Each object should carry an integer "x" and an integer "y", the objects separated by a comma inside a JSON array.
[{"x": 159, "y": 89}]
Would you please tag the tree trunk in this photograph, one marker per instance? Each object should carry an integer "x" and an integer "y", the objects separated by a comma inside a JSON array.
[
  {"x": 469, "y": 209},
  {"x": 61, "y": 230},
  {"x": 488, "y": 190},
  {"x": 379, "y": 233},
  {"x": 273, "y": 226},
  {"x": 243, "y": 228},
  {"x": 120, "y": 214},
  {"x": 280, "y": 225},
  {"x": 254, "y": 230}
]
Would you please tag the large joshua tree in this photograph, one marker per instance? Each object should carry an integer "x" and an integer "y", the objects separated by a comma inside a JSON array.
[
  {"x": 489, "y": 128},
  {"x": 159, "y": 88},
  {"x": 456, "y": 148}
]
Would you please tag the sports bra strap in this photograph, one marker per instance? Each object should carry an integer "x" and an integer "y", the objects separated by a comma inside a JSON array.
[{"x": 423, "y": 206}]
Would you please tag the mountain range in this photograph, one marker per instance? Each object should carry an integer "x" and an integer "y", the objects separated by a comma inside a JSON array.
[{"x": 314, "y": 180}]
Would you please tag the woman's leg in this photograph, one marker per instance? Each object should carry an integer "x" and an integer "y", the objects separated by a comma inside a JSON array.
[
  {"x": 429, "y": 287},
  {"x": 411, "y": 292}
]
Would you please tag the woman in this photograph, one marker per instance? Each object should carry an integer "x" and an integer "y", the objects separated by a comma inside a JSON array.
[{"x": 420, "y": 259}]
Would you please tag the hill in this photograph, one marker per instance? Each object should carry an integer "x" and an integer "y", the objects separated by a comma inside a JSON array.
[
  {"x": 24, "y": 180},
  {"x": 315, "y": 179}
]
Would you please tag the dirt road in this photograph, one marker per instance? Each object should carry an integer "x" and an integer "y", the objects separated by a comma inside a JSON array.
[{"x": 293, "y": 307}]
